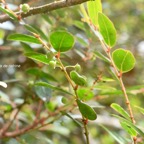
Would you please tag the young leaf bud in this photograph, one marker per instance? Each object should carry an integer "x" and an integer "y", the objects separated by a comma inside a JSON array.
[
  {"x": 25, "y": 8},
  {"x": 52, "y": 64},
  {"x": 77, "y": 67}
]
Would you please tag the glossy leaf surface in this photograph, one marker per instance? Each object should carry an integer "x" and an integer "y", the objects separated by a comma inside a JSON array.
[
  {"x": 61, "y": 41},
  {"x": 78, "y": 79},
  {"x": 86, "y": 110},
  {"x": 128, "y": 128},
  {"x": 93, "y": 8},
  {"x": 38, "y": 57},
  {"x": 23, "y": 38},
  {"x": 123, "y": 59},
  {"x": 120, "y": 110}
]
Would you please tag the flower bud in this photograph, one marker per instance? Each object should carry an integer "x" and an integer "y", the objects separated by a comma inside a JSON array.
[
  {"x": 52, "y": 64},
  {"x": 77, "y": 67},
  {"x": 25, "y": 8}
]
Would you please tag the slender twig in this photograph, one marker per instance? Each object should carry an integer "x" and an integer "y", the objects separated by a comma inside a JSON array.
[
  {"x": 38, "y": 110},
  {"x": 119, "y": 76},
  {"x": 85, "y": 122},
  {"x": 7, "y": 126},
  {"x": 66, "y": 74},
  {"x": 98, "y": 79},
  {"x": 33, "y": 125},
  {"x": 76, "y": 97},
  {"x": 44, "y": 8}
]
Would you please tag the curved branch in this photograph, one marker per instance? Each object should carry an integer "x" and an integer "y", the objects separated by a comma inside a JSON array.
[{"x": 44, "y": 8}]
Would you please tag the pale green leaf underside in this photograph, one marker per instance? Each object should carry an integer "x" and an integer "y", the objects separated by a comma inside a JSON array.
[
  {"x": 128, "y": 128},
  {"x": 117, "y": 137},
  {"x": 93, "y": 8},
  {"x": 107, "y": 30},
  {"x": 135, "y": 127},
  {"x": 120, "y": 110}
]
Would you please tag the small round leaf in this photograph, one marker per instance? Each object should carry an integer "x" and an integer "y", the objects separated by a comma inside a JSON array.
[
  {"x": 123, "y": 59},
  {"x": 61, "y": 41},
  {"x": 86, "y": 110}
]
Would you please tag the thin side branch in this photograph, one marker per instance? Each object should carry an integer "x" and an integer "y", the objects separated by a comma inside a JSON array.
[{"x": 44, "y": 8}]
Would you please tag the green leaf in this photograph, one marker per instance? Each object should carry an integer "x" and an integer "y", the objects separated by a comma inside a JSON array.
[
  {"x": 40, "y": 32},
  {"x": 23, "y": 38},
  {"x": 75, "y": 121},
  {"x": 82, "y": 41},
  {"x": 30, "y": 28},
  {"x": 86, "y": 110},
  {"x": 79, "y": 25},
  {"x": 52, "y": 87},
  {"x": 117, "y": 137},
  {"x": 39, "y": 73},
  {"x": 5, "y": 107},
  {"x": 10, "y": 14},
  {"x": 131, "y": 124},
  {"x": 106, "y": 79},
  {"x": 85, "y": 94},
  {"x": 61, "y": 41},
  {"x": 44, "y": 93},
  {"x": 47, "y": 19},
  {"x": 101, "y": 56},
  {"x": 35, "y": 29},
  {"x": 128, "y": 128},
  {"x": 140, "y": 109},
  {"x": 120, "y": 110},
  {"x": 26, "y": 47},
  {"x": 94, "y": 7},
  {"x": 84, "y": 13},
  {"x": 107, "y": 30},
  {"x": 123, "y": 59},
  {"x": 38, "y": 57},
  {"x": 78, "y": 79},
  {"x": 111, "y": 92}
]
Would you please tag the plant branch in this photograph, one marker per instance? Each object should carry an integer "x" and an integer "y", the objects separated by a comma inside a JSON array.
[
  {"x": 44, "y": 9},
  {"x": 39, "y": 110},
  {"x": 7, "y": 126},
  {"x": 57, "y": 56},
  {"x": 33, "y": 125},
  {"x": 66, "y": 74},
  {"x": 85, "y": 121},
  {"x": 119, "y": 76}
]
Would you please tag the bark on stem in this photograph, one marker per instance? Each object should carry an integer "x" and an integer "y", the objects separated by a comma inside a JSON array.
[{"x": 44, "y": 8}]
